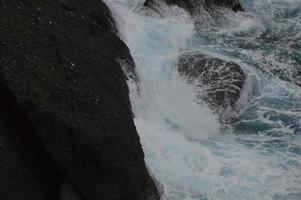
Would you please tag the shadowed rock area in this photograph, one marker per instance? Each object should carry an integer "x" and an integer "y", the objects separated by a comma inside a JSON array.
[
  {"x": 65, "y": 110},
  {"x": 27, "y": 172},
  {"x": 220, "y": 82},
  {"x": 192, "y": 5}
]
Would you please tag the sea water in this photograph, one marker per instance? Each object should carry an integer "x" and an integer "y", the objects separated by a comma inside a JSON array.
[{"x": 188, "y": 151}]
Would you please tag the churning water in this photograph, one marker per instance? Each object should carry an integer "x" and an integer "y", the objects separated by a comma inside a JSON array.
[{"x": 189, "y": 153}]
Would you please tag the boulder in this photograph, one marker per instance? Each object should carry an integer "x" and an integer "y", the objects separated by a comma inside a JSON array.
[
  {"x": 230, "y": 4},
  {"x": 192, "y": 5},
  {"x": 219, "y": 83},
  {"x": 186, "y": 4},
  {"x": 61, "y": 67}
]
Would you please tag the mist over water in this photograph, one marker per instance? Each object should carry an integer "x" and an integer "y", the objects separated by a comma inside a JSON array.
[{"x": 188, "y": 151}]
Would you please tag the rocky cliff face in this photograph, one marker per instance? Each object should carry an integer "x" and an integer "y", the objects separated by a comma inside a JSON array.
[{"x": 65, "y": 110}]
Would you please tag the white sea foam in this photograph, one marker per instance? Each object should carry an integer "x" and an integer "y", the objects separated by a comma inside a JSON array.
[{"x": 185, "y": 151}]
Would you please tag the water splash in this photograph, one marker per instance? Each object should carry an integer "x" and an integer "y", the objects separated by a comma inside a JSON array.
[{"x": 187, "y": 153}]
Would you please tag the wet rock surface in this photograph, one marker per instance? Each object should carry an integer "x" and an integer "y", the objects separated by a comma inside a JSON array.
[
  {"x": 220, "y": 82},
  {"x": 66, "y": 104},
  {"x": 192, "y": 5}
]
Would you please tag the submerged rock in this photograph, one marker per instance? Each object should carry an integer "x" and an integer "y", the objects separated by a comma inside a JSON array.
[
  {"x": 220, "y": 83},
  {"x": 186, "y": 4},
  {"x": 60, "y": 66},
  {"x": 231, "y": 4},
  {"x": 192, "y": 5}
]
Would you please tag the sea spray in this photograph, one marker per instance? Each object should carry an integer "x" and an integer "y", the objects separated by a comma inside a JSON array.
[{"x": 187, "y": 153}]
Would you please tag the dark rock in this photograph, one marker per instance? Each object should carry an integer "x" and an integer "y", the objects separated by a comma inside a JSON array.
[
  {"x": 231, "y": 4},
  {"x": 186, "y": 4},
  {"x": 192, "y": 5},
  {"x": 222, "y": 81},
  {"x": 17, "y": 180},
  {"x": 61, "y": 67},
  {"x": 27, "y": 171}
]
